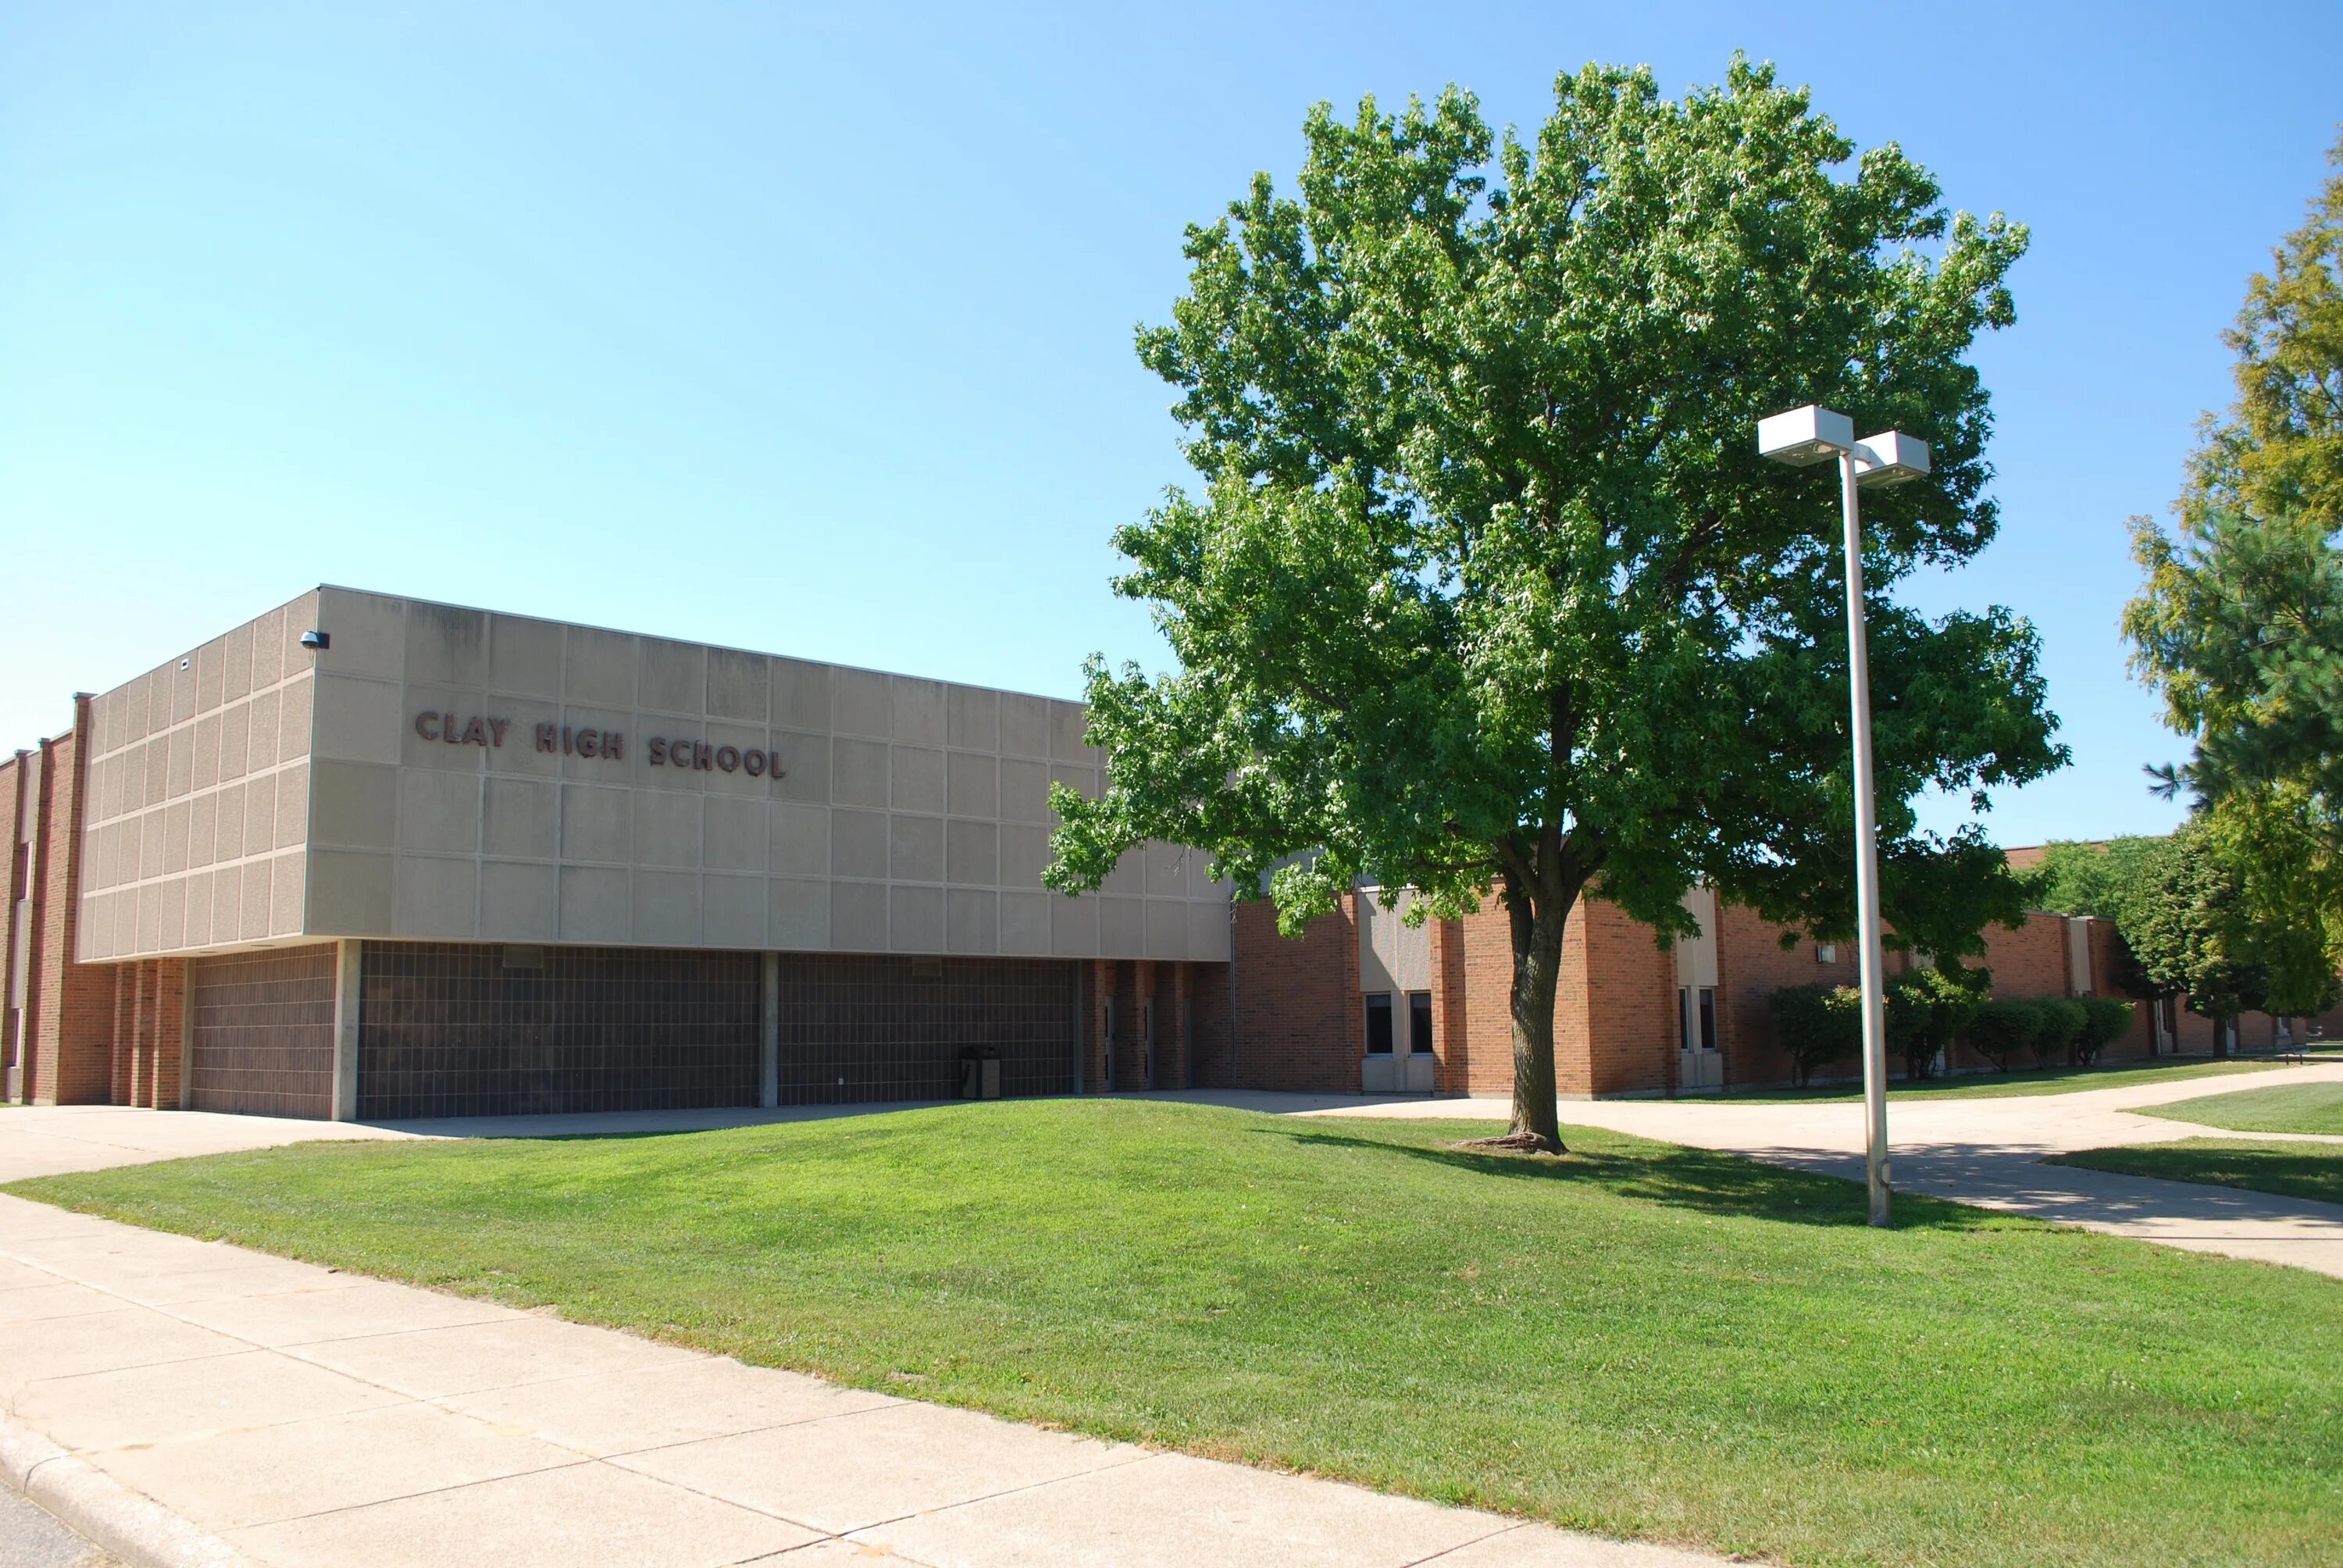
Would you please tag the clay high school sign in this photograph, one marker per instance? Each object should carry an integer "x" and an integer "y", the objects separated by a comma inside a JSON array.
[{"x": 663, "y": 751}]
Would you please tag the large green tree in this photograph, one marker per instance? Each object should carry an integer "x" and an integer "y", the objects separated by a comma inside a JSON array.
[
  {"x": 1488, "y": 586},
  {"x": 2238, "y": 624},
  {"x": 2189, "y": 922},
  {"x": 2083, "y": 877}
]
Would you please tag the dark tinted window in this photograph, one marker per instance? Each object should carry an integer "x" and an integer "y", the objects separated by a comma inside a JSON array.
[
  {"x": 1419, "y": 1023},
  {"x": 1379, "y": 1025}
]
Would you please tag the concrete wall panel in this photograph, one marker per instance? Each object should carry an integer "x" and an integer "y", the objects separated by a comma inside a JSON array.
[{"x": 395, "y": 784}]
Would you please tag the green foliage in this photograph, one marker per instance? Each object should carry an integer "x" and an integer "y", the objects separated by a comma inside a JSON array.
[
  {"x": 2105, "y": 1020},
  {"x": 2193, "y": 928},
  {"x": 2238, "y": 624},
  {"x": 1488, "y": 586},
  {"x": 2085, "y": 878},
  {"x": 1927, "y": 1011},
  {"x": 2063, "y": 1022},
  {"x": 1817, "y": 1025},
  {"x": 1998, "y": 1030}
]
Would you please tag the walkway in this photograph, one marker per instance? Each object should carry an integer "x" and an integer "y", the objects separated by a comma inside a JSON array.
[
  {"x": 1989, "y": 1152},
  {"x": 191, "y": 1402}
]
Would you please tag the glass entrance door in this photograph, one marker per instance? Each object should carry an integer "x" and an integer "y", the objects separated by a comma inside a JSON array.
[{"x": 1701, "y": 1065}]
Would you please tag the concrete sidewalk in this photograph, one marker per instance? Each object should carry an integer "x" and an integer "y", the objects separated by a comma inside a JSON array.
[
  {"x": 295, "y": 1415},
  {"x": 1989, "y": 1152}
]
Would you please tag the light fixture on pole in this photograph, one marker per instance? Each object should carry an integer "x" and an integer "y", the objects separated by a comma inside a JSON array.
[{"x": 1800, "y": 437}]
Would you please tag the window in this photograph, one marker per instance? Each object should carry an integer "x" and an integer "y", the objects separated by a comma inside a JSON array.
[
  {"x": 1379, "y": 1024},
  {"x": 1825, "y": 953},
  {"x": 1696, "y": 1017},
  {"x": 1419, "y": 1023}
]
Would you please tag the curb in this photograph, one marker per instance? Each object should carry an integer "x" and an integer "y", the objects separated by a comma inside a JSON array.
[{"x": 135, "y": 1528}]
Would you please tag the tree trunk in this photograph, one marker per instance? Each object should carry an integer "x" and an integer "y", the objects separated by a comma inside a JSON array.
[{"x": 1538, "y": 930}]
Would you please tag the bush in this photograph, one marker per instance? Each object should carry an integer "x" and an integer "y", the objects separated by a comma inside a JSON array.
[
  {"x": 1926, "y": 1009},
  {"x": 2105, "y": 1020},
  {"x": 1998, "y": 1030},
  {"x": 1816, "y": 1024},
  {"x": 2063, "y": 1022}
]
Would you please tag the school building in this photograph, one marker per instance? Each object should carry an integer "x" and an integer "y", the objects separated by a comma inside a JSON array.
[{"x": 367, "y": 856}]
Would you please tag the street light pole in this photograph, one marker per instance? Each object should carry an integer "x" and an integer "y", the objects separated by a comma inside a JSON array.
[
  {"x": 1800, "y": 438},
  {"x": 1866, "y": 861}
]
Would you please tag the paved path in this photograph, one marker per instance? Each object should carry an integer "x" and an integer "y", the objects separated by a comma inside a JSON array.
[
  {"x": 1989, "y": 1152},
  {"x": 291, "y": 1414}
]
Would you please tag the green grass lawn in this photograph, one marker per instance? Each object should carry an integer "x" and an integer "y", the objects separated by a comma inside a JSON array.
[
  {"x": 1991, "y": 1085},
  {"x": 1639, "y": 1339},
  {"x": 2302, "y": 1108},
  {"x": 2291, "y": 1169}
]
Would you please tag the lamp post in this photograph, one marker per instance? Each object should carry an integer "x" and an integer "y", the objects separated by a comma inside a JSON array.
[{"x": 1800, "y": 437}]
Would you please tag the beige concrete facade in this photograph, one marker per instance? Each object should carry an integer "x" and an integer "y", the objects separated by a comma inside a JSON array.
[{"x": 446, "y": 774}]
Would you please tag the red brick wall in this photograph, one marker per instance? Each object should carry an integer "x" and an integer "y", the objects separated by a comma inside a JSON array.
[
  {"x": 1487, "y": 940},
  {"x": 1615, "y": 1025},
  {"x": 1298, "y": 1020},
  {"x": 1451, "y": 1043},
  {"x": 73, "y": 1041},
  {"x": 14, "y": 867},
  {"x": 1751, "y": 966},
  {"x": 1208, "y": 1006},
  {"x": 1630, "y": 1035},
  {"x": 2030, "y": 961}
]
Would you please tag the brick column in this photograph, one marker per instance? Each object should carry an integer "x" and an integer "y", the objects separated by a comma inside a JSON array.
[
  {"x": 1450, "y": 1053},
  {"x": 124, "y": 1047},
  {"x": 1146, "y": 1029},
  {"x": 1177, "y": 1041},
  {"x": 1102, "y": 989},
  {"x": 70, "y": 1006},
  {"x": 142, "y": 1033},
  {"x": 1354, "y": 1004},
  {"x": 170, "y": 1033}
]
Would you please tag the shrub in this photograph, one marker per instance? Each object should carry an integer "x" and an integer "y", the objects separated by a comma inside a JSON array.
[
  {"x": 1816, "y": 1024},
  {"x": 1926, "y": 1009},
  {"x": 2062, "y": 1025},
  {"x": 1998, "y": 1030},
  {"x": 2105, "y": 1020}
]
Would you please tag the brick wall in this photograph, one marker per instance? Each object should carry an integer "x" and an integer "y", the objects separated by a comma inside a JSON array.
[
  {"x": 1214, "y": 1064},
  {"x": 1299, "y": 1022},
  {"x": 1631, "y": 1031},
  {"x": 1486, "y": 939},
  {"x": 15, "y": 867},
  {"x": 72, "y": 1004},
  {"x": 1615, "y": 1025},
  {"x": 1752, "y": 964},
  {"x": 264, "y": 1032}
]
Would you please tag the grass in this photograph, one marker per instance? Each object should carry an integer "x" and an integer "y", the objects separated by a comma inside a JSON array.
[
  {"x": 2312, "y": 1170},
  {"x": 1638, "y": 1339},
  {"x": 2302, "y": 1108},
  {"x": 1996, "y": 1085}
]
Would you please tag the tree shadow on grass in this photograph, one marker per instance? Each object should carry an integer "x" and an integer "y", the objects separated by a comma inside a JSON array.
[{"x": 1679, "y": 1177}]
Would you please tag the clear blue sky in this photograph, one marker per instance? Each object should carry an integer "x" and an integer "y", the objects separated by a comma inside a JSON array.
[{"x": 808, "y": 329}]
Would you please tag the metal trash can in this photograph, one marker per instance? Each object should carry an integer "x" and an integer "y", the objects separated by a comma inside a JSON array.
[{"x": 980, "y": 1072}]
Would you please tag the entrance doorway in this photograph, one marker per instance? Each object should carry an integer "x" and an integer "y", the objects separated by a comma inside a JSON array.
[
  {"x": 1701, "y": 1065},
  {"x": 1700, "y": 1054}
]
